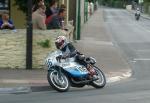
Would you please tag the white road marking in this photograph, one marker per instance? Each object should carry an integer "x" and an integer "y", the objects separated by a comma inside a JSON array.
[
  {"x": 141, "y": 59},
  {"x": 98, "y": 42},
  {"x": 144, "y": 50},
  {"x": 119, "y": 77}
]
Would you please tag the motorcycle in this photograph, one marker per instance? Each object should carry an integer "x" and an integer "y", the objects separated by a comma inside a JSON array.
[
  {"x": 63, "y": 73},
  {"x": 137, "y": 16}
]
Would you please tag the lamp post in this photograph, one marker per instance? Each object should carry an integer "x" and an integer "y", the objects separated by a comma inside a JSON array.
[
  {"x": 29, "y": 36},
  {"x": 78, "y": 20},
  {"x": 85, "y": 10}
]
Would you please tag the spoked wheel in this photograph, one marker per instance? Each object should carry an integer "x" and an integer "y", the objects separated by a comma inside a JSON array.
[
  {"x": 58, "y": 81},
  {"x": 101, "y": 81}
]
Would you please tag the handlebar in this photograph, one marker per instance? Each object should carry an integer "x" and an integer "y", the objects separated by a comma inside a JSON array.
[{"x": 58, "y": 58}]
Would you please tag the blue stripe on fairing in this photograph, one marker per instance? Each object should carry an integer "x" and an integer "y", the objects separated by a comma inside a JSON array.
[{"x": 76, "y": 73}]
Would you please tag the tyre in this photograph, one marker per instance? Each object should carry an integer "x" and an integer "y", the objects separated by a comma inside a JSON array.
[
  {"x": 58, "y": 81},
  {"x": 101, "y": 82}
]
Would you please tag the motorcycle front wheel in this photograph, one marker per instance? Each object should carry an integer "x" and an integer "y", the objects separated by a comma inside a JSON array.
[
  {"x": 101, "y": 81},
  {"x": 58, "y": 81}
]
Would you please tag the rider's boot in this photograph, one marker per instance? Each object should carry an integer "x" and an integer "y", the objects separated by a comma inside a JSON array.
[{"x": 91, "y": 71}]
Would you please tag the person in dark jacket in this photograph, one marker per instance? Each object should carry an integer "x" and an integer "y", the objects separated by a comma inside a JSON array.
[
  {"x": 52, "y": 9},
  {"x": 57, "y": 21}
]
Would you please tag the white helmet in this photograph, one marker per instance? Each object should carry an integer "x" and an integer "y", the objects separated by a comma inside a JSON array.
[{"x": 60, "y": 42}]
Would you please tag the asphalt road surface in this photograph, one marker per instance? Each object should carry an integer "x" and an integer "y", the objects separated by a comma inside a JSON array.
[{"x": 133, "y": 39}]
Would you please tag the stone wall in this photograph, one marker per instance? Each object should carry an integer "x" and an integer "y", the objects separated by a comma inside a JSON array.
[{"x": 13, "y": 47}]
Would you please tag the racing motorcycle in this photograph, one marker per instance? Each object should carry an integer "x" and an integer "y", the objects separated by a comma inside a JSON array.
[
  {"x": 63, "y": 73},
  {"x": 137, "y": 16}
]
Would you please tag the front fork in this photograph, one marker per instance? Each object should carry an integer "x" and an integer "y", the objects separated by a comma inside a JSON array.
[{"x": 59, "y": 76}]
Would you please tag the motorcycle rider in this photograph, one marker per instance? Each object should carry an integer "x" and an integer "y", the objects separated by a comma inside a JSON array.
[
  {"x": 68, "y": 51},
  {"x": 137, "y": 13}
]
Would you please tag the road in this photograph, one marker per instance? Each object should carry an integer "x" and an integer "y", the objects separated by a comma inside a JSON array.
[{"x": 133, "y": 39}]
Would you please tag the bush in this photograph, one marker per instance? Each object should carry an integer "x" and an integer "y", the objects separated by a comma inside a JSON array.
[
  {"x": 45, "y": 44},
  {"x": 118, "y": 4},
  {"x": 146, "y": 7},
  {"x": 115, "y": 3}
]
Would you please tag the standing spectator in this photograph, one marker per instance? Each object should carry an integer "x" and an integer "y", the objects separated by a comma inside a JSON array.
[
  {"x": 52, "y": 9},
  {"x": 62, "y": 6},
  {"x": 38, "y": 18},
  {"x": 37, "y": 4},
  {"x": 5, "y": 22},
  {"x": 90, "y": 7},
  {"x": 57, "y": 21}
]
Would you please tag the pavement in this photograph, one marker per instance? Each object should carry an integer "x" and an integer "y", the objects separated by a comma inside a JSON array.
[{"x": 95, "y": 41}]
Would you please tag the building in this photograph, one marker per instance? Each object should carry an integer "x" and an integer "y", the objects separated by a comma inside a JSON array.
[
  {"x": 4, "y": 6},
  {"x": 77, "y": 10},
  {"x": 18, "y": 16}
]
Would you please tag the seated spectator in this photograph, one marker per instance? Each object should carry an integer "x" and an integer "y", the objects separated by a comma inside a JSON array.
[
  {"x": 38, "y": 18},
  {"x": 57, "y": 21},
  {"x": 5, "y": 22}
]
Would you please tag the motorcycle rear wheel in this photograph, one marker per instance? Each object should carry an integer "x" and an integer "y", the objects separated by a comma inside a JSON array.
[
  {"x": 101, "y": 82},
  {"x": 58, "y": 81}
]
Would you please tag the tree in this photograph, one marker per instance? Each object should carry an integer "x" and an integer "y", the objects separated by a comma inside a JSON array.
[
  {"x": 22, "y": 4},
  {"x": 114, "y": 3},
  {"x": 146, "y": 0}
]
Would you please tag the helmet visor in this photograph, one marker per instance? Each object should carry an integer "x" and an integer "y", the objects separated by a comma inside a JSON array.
[{"x": 58, "y": 45}]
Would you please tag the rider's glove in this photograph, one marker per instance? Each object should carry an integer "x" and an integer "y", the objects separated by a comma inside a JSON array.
[
  {"x": 59, "y": 57},
  {"x": 64, "y": 56}
]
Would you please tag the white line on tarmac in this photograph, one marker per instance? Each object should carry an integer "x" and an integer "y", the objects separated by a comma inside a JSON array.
[
  {"x": 141, "y": 59},
  {"x": 100, "y": 42},
  {"x": 118, "y": 78},
  {"x": 144, "y": 50}
]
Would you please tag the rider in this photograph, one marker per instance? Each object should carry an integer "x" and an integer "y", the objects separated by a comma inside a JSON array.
[
  {"x": 137, "y": 12},
  {"x": 68, "y": 51}
]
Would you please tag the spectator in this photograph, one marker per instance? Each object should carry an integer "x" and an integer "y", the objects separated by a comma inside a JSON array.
[
  {"x": 49, "y": 18},
  {"x": 90, "y": 7},
  {"x": 57, "y": 21},
  {"x": 38, "y": 18},
  {"x": 5, "y": 22},
  {"x": 52, "y": 9},
  {"x": 37, "y": 4},
  {"x": 62, "y": 6}
]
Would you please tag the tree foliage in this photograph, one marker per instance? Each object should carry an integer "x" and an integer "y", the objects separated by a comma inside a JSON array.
[
  {"x": 22, "y": 4},
  {"x": 146, "y": 0},
  {"x": 114, "y": 3}
]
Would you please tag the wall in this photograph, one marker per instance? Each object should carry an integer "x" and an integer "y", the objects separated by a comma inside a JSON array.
[{"x": 13, "y": 47}]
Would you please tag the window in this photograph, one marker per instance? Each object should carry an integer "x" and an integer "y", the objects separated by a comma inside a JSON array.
[{"x": 4, "y": 4}]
